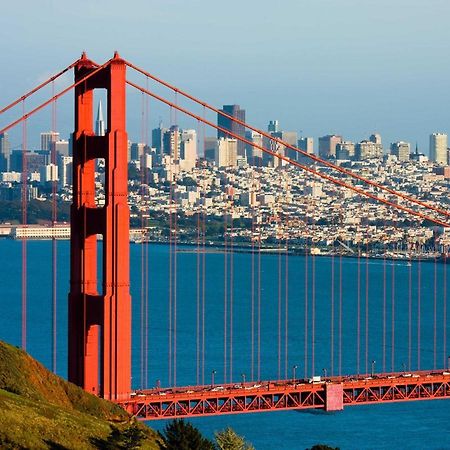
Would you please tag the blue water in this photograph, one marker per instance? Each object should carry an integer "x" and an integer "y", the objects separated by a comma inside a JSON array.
[{"x": 411, "y": 425}]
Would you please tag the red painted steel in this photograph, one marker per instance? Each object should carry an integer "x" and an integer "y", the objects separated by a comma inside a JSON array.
[
  {"x": 100, "y": 322},
  {"x": 331, "y": 394}
]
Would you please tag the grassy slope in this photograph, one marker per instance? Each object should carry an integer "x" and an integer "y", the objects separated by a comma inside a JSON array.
[{"x": 40, "y": 410}]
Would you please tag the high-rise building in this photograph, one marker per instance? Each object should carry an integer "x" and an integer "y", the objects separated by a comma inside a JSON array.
[
  {"x": 158, "y": 138},
  {"x": 61, "y": 147},
  {"x": 273, "y": 127},
  {"x": 47, "y": 139},
  {"x": 306, "y": 144},
  {"x": 100, "y": 123},
  {"x": 234, "y": 127},
  {"x": 255, "y": 155},
  {"x": 401, "y": 150},
  {"x": 345, "y": 150},
  {"x": 368, "y": 150},
  {"x": 137, "y": 149},
  {"x": 438, "y": 148},
  {"x": 5, "y": 152},
  {"x": 65, "y": 171},
  {"x": 226, "y": 152},
  {"x": 327, "y": 145},
  {"x": 375, "y": 138},
  {"x": 172, "y": 142},
  {"x": 188, "y": 153},
  {"x": 291, "y": 138}
]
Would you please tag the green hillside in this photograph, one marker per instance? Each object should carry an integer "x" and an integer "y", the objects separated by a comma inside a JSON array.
[{"x": 40, "y": 410}]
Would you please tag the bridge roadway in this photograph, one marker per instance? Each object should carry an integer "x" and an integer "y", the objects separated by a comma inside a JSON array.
[{"x": 329, "y": 394}]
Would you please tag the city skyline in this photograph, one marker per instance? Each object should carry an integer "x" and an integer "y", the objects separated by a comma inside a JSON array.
[{"x": 336, "y": 80}]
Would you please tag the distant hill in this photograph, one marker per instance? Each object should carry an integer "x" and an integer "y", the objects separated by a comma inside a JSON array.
[{"x": 39, "y": 410}]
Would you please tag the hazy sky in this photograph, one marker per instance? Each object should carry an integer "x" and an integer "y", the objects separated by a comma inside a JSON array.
[{"x": 321, "y": 66}]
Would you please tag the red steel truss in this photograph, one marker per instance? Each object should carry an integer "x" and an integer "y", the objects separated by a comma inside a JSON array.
[{"x": 330, "y": 395}]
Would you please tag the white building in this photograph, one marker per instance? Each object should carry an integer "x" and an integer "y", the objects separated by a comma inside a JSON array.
[
  {"x": 226, "y": 152},
  {"x": 438, "y": 148}
]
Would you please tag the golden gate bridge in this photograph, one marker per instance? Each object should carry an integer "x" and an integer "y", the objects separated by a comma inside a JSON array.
[{"x": 100, "y": 332}]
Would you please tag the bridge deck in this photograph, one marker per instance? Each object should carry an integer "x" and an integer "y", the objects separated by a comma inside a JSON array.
[{"x": 332, "y": 393}]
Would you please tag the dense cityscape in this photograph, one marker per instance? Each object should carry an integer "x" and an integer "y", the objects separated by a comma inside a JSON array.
[{"x": 239, "y": 193}]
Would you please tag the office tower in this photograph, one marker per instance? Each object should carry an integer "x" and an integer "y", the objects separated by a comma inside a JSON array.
[
  {"x": 291, "y": 138},
  {"x": 49, "y": 173},
  {"x": 401, "y": 150},
  {"x": 273, "y": 127},
  {"x": 226, "y": 152},
  {"x": 47, "y": 139},
  {"x": 255, "y": 154},
  {"x": 345, "y": 150},
  {"x": 365, "y": 150},
  {"x": 306, "y": 144},
  {"x": 158, "y": 138},
  {"x": 172, "y": 142},
  {"x": 188, "y": 153},
  {"x": 65, "y": 171},
  {"x": 327, "y": 145},
  {"x": 137, "y": 149},
  {"x": 209, "y": 149},
  {"x": 235, "y": 128},
  {"x": 375, "y": 138},
  {"x": 438, "y": 148},
  {"x": 61, "y": 147},
  {"x": 100, "y": 123},
  {"x": 5, "y": 152}
]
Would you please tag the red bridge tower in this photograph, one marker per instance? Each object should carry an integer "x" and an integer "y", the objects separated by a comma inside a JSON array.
[{"x": 100, "y": 318}]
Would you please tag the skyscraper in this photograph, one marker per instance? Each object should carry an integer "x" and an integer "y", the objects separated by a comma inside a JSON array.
[
  {"x": 5, "y": 152},
  {"x": 158, "y": 138},
  {"x": 228, "y": 124},
  {"x": 100, "y": 123},
  {"x": 438, "y": 148},
  {"x": 401, "y": 150},
  {"x": 273, "y": 127},
  {"x": 327, "y": 145},
  {"x": 47, "y": 138}
]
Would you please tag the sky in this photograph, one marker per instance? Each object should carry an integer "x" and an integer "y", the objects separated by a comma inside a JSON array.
[{"x": 350, "y": 67}]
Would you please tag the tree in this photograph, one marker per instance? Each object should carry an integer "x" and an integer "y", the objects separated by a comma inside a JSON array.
[
  {"x": 229, "y": 440},
  {"x": 181, "y": 435}
]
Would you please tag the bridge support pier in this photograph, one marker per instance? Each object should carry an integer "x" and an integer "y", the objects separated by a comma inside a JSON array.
[{"x": 100, "y": 314}]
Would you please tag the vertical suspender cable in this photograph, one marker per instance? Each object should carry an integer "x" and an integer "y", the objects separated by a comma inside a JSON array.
[
  {"x": 435, "y": 312},
  {"x": 252, "y": 307},
  {"x": 419, "y": 287},
  {"x": 259, "y": 304},
  {"x": 225, "y": 297},
  {"x": 393, "y": 317},
  {"x": 340, "y": 315},
  {"x": 444, "y": 314},
  {"x": 313, "y": 314},
  {"x": 279, "y": 308},
  {"x": 142, "y": 263},
  {"x": 24, "y": 223},
  {"x": 384, "y": 305},
  {"x": 286, "y": 308},
  {"x": 332, "y": 310},
  {"x": 358, "y": 314},
  {"x": 367, "y": 308},
  {"x": 306, "y": 301},
  {"x": 409, "y": 311},
  {"x": 54, "y": 247},
  {"x": 231, "y": 293}
]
